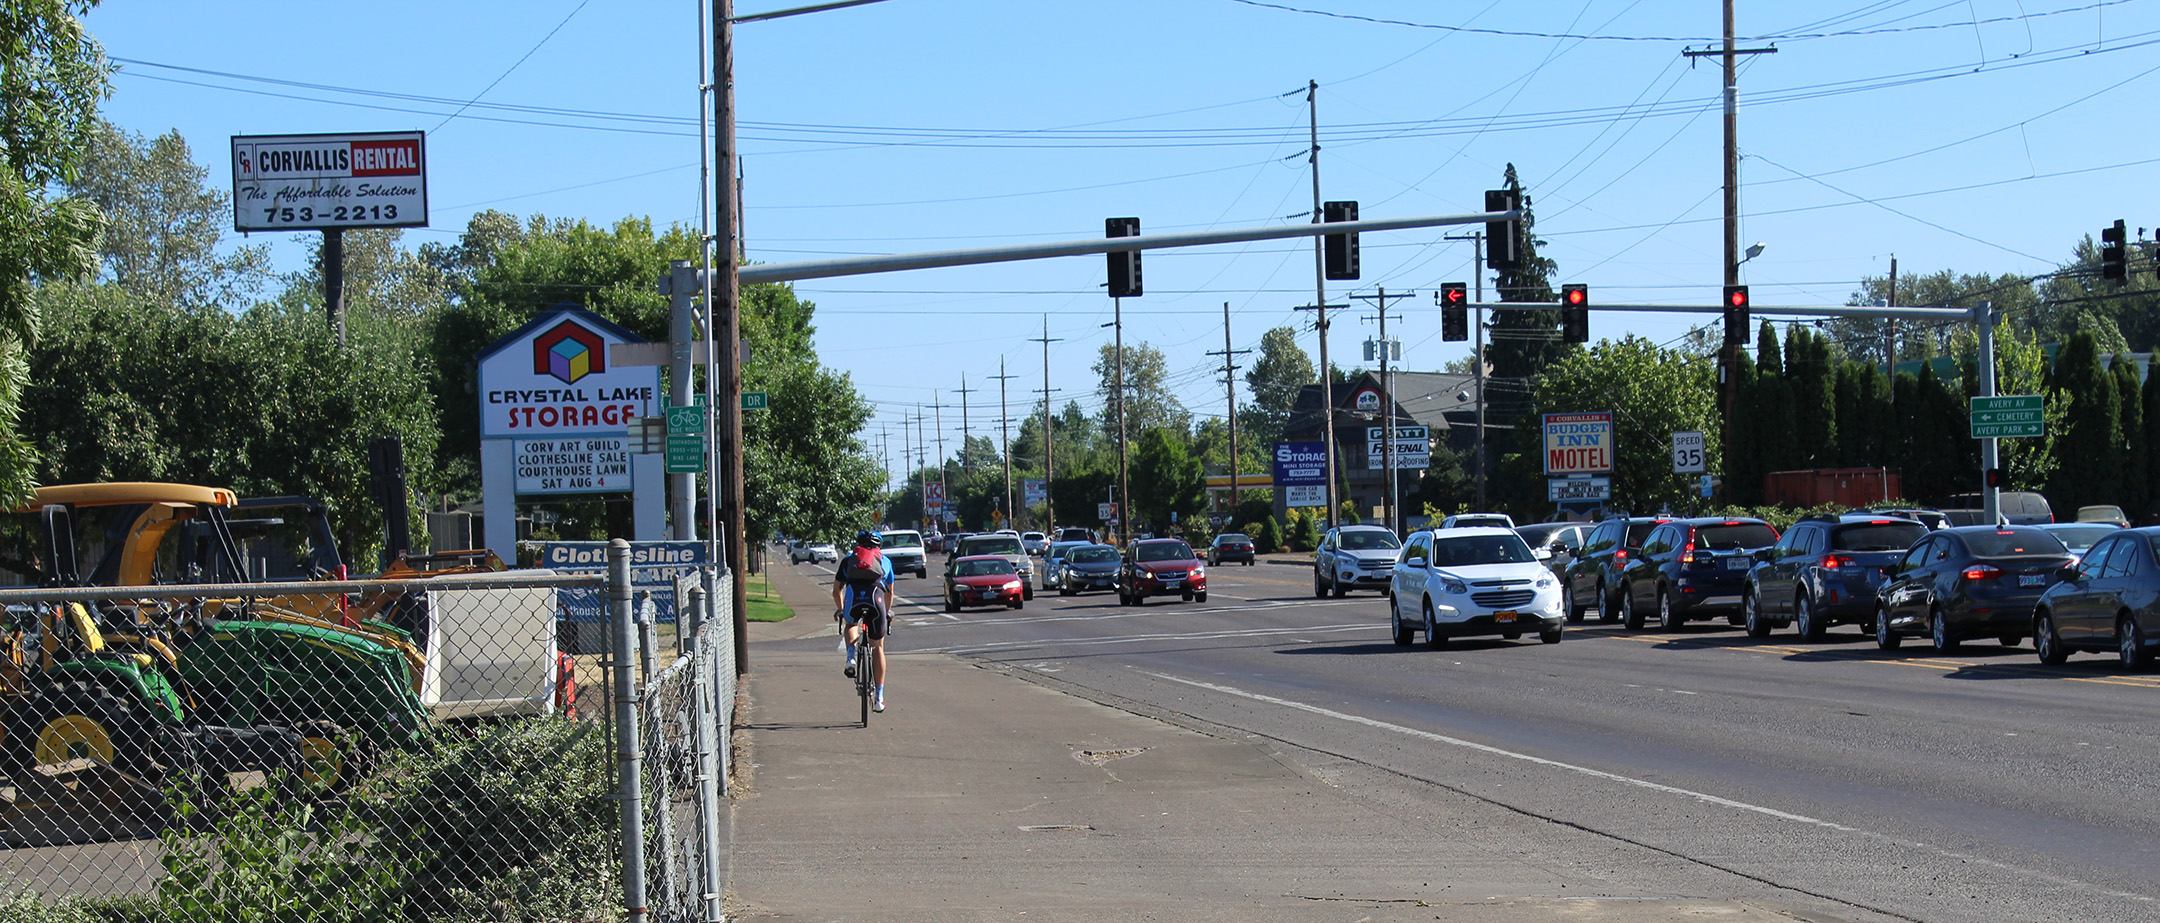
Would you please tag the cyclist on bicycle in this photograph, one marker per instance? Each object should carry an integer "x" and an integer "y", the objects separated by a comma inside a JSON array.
[{"x": 862, "y": 604}]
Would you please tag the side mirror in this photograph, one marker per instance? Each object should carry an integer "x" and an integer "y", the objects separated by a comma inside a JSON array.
[
  {"x": 2070, "y": 573},
  {"x": 1761, "y": 554},
  {"x": 1567, "y": 549}
]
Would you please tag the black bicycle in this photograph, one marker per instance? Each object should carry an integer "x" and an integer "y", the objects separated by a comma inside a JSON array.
[{"x": 865, "y": 684}]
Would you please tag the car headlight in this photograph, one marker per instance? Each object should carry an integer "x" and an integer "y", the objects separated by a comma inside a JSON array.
[
  {"x": 1199, "y": 571},
  {"x": 1454, "y": 587},
  {"x": 1546, "y": 582}
]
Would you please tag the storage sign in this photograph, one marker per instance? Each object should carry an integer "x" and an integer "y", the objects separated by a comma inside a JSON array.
[
  {"x": 1578, "y": 443},
  {"x": 321, "y": 182},
  {"x": 551, "y": 378},
  {"x": 1300, "y": 464}
]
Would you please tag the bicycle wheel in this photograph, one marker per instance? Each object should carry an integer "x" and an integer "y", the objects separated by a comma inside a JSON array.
[{"x": 863, "y": 685}]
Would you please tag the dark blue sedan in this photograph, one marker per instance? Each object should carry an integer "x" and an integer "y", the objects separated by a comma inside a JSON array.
[{"x": 1969, "y": 582}]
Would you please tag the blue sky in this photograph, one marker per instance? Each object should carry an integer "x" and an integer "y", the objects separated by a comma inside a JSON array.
[{"x": 1979, "y": 136}]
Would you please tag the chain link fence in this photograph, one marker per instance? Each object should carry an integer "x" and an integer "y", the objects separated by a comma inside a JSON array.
[{"x": 448, "y": 748}]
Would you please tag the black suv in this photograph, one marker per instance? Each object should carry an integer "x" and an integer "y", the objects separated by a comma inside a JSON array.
[
  {"x": 1825, "y": 571},
  {"x": 1593, "y": 576},
  {"x": 1690, "y": 568}
]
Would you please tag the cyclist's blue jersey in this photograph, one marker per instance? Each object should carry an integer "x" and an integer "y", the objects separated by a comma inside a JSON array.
[{"x": 876, "y": 593}]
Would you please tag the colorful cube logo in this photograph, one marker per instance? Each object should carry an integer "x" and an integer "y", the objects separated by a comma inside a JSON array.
[{"x": 569, "y": 352}]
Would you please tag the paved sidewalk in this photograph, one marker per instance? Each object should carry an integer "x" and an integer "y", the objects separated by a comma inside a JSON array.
[{"x": 984, "y": 796}]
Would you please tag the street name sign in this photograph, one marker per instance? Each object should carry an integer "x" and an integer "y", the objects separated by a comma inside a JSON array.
[{"x": 2012, "y": 416}]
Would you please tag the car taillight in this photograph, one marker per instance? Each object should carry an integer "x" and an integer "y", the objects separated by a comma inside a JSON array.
[
  {"x": 1982, "y": 572},
  {"x": 1620, "y": 557},
  {"x": 1836, "y": 561},
  {"x": 1687, "y": 553}
]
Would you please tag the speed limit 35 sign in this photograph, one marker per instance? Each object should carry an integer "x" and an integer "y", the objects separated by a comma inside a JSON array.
[{"x": 1687, "y": 453}]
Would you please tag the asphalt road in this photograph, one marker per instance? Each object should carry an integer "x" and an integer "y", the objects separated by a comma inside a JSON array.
[{"x": 1980, "y": 786}]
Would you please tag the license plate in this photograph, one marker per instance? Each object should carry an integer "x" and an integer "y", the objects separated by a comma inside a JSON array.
[
  {"x": 1504, "y": 615},
  {"x": 1737, "y": 563},
  {"x": 1172, "y": 581},
  {"x": 2032, "y": 580}
]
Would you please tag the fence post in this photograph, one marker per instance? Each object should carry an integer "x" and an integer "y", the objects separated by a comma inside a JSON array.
[
  {"x": 629, "y": 781},
  {"x": 705, "y": 670}
]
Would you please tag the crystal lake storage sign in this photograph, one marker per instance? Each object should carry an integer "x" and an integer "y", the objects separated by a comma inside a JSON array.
[
  {"x": 321, "y": 182},
  {"x": 550, "y": 389}
]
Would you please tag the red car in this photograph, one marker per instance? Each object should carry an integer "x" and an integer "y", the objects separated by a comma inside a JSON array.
[
  {"x": 1160, "y": 567},
  {"x": 982, "y": 580}
]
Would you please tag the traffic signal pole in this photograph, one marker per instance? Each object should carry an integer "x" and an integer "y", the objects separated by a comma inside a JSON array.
[{"x": 1985, "y": 318}]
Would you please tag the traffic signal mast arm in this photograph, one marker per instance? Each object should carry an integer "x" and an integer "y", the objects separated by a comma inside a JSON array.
[
  {"x": 1838, "y": 310},
  {"x": 862, "y": 265}
]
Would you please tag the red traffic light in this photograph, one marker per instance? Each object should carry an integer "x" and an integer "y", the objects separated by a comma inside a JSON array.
[
  {"x": 1736, "y": 296},
  {"x": 1454, "y": 294},
  {"x": 1575, "y": 296}
]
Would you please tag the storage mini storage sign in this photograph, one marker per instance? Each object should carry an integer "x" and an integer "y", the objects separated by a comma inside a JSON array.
[
  {"x": 1578, "y": 443},
  {"x": 548, "y": 387}
]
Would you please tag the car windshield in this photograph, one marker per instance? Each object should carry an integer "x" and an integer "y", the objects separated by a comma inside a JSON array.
[
  {"x": 1033, "y": 536},
  {"x": 1733, "y": 536},
  {"x": 991, "y": 544},
  {"x": 1540, "y": 534},
  {"x": 1165, "y": 551},
  {"x": 1232, "y": 538},
  {"x": 1470, "y": 550},
  {"x": 2007, "y": 543},
  {"x": 1883, "y": 536},
  {"x": 985, "y": 568},
  {"x": 2080, "y": 538},
  {"x": 1464, "y": 522},
  {"x": 1366, "y": 540},
  {"x": 1093, "y": 554},
  {"x": 902, "y": 540}
]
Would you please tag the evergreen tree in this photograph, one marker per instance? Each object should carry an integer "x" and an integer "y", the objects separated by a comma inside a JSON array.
[
  {"x": 2136, "y": 491},
  {"x": 2150, "y": 515},
  {"x": 2091, "y": 459},
  {"x": 1524, "y": 341},
  {"x": 1814, "y": 401},
  {"x": 1267, "y": 536}
]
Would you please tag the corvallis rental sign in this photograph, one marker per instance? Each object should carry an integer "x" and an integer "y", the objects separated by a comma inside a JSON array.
[
  {"x": 549, "y": 387},
  {"x": 325, "y": 182}
]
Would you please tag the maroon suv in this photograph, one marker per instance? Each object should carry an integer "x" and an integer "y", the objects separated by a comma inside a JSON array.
[{"x": 1160, "y": 567}]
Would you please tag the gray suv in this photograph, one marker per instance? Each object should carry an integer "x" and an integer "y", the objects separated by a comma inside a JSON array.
[
  {"x": 1355, "y": 558},
  {"x": 1004, "y": 546}
]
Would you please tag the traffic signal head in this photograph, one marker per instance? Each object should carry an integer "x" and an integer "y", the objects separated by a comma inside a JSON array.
[
  {"x": 1339, "y": 252},
  {"x": 1575, "y": 313},
  {"x": 2114, "y": 259},
  {"x": 1503, "y": 239},
  {"x": 1995, "y": 478},
  {"x": 1736, "y": 315},
  {"x": 1454, "y": 312},
  {"x": 1124, "y": 265}
]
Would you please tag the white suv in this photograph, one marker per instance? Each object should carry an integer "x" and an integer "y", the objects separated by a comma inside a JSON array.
[
  {"x": 1354, "y": 558},
  {"x": 1478, "y": 581}
]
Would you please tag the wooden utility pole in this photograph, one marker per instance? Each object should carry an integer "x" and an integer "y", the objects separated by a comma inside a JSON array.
[
  {"x": 1729, "y": 355},
  {"x": 1229, "y": 370},
  {"x": 1005, "y": 439},
  {"x": 1049, "y": 438}
]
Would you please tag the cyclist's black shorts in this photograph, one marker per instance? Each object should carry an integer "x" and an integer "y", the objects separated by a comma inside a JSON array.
[{"x": 873, "y": 618}]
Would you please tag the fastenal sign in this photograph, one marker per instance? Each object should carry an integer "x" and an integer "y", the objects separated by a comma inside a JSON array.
[
  {"x": 318, "y": 182},
  {"x": 551, "y": 378},
  {"x": 1578, "y": 443}
]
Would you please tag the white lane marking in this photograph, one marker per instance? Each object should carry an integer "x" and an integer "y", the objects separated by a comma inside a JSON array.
[
  {"x": 1704, "y": 797},
  {"x": 1510, "y": 754},
  {"x": 1164, "y": 636}
]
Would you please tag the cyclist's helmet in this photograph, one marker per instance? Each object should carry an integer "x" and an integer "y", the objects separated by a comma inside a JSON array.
[{"x": 868, "y": 539}]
